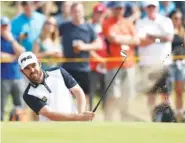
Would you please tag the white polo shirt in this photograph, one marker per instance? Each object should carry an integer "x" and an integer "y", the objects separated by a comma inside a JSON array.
[
  {"x": 155, "y": 53},
  {"x": 54, "y": 92}
]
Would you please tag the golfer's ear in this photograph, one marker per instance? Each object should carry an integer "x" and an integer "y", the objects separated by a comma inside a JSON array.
[
  {"x": 39, "y": 61},
  {"x": 21, "y": 70}
]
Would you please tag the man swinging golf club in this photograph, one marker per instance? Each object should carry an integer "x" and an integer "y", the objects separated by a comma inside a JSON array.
[{"x": 49, "y": 93}]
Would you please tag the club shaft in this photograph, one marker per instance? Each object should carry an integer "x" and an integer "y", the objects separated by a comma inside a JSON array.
[{"x": 104, "y": 94}]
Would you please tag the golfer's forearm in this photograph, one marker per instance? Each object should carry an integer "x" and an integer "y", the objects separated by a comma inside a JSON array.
[
  {"x": 81, "y": 101},
  {"x": 80, "y": 98},
  {"x": 55, "y": 116}
]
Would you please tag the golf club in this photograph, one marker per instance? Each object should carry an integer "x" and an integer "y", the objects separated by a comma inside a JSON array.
[{"x": 122, "y": 53}]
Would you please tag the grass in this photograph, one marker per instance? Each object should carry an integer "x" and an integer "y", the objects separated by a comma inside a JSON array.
[{"x": 92, "y": 132}]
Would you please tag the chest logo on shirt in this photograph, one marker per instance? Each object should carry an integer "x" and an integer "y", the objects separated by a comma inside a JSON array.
[{"x": 44, "y": 99}]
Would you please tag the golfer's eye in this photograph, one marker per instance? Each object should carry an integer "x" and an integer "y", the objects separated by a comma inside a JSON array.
[
  {"x": 33, "y": 65},
  {"x": 26, "y": 68}
]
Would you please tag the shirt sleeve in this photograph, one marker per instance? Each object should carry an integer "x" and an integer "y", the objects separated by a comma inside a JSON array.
[
  {"x": 140, "y": 29},
  {"x": 168, "y": 27},
  {"x": 33, "y": 102},
  {"x": 15, "y": 29},
  {"x": 68, "y": 79}
]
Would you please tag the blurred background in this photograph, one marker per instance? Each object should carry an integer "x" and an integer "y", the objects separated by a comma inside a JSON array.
[{"x": 37, "y": 26}]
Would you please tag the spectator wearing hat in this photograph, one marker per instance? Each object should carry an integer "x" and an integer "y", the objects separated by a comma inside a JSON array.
[
  {"x": 132, "y": 10},
  {"x": 98, "y": 69},
  {"x": 120, "y": 34},
  {"x": 156, "y": 35},
  {"x": 27, "y": 26},
  {"x": 11, "y": 79}
]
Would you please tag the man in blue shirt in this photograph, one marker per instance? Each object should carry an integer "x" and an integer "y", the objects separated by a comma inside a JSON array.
[
  {"x": 166, "y": 7},
  {"x": 28, "y": 25},
  {"x": 11, "y": 79},
  {"x": 78, "y": 38}
]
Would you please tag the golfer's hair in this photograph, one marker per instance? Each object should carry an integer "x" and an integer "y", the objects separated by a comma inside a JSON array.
[{"x": 76, "y": 4}]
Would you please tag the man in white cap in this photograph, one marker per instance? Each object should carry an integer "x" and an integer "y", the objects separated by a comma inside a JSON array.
[
  {"x": 156, "y": 35},
  {"x": 49, "y": 93}
]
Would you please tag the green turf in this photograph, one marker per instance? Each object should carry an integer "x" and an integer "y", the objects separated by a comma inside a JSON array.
[{"x": 92, "y": 132}]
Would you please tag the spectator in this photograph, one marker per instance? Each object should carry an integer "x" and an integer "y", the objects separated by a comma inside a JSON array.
[
  {"x": 44, "y": 7},
  {"x": 178, "y": 49},
  {"x": 156, "y": 33},
  {"x": 120, "y": 33},
  {"x": 166, "y": 7},
  {"x": 58, "y": 5},
  {"x": 11, "y": 79},
  {"x": 65, "y": 14},
  {"x": 98, "y": 68},
  {"x": 27, "y": 26},
  {"x": 181, "y": 5},
  {"x": 78, "y": 38},
  {"x": 132, "y": 11},
  {"x": 47, "y": 45}
]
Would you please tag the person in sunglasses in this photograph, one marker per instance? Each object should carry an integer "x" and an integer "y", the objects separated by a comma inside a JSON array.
[{"x": 48, "y": 44}]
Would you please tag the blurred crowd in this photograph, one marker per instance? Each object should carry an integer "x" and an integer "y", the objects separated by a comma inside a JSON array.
[{"x": 154, "y": 31}]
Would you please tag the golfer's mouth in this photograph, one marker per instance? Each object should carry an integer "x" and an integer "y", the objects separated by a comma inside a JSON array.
[{"x": 34, "y": 75}]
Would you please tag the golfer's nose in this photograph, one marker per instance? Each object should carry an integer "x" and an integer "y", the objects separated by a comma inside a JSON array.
[{"x": 32, "y": 69}]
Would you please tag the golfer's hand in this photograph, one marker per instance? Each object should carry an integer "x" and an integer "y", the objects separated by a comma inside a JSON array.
[{"x": 87, "y": 116}]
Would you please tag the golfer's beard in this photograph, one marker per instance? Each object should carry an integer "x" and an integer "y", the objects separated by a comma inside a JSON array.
[{"x": 35, "y": 79}]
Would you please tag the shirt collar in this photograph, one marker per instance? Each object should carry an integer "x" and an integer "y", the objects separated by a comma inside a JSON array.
[
  {"x": 157, "y": 17},
  {"x": 46, "y": 75},
  {"x": 31, "y": 17}
]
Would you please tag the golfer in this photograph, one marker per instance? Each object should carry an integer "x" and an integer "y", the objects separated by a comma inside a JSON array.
[{"x": 49, "y": 93}]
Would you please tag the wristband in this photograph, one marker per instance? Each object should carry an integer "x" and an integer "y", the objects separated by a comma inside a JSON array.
[{"x": 157, "y": 40}]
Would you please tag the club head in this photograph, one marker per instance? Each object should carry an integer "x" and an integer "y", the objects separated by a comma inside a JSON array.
[{"x": 123, "y": 53}]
